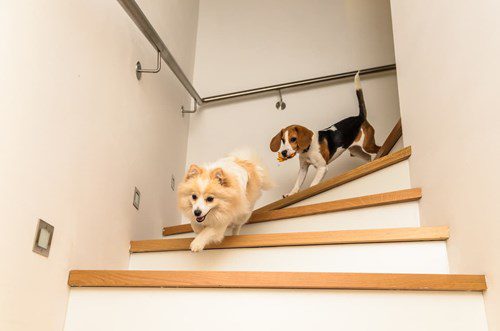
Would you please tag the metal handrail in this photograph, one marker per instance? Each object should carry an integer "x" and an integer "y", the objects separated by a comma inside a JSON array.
[
  {"x": 297, "y": 83},
  {"x": 137, "y": 15}
]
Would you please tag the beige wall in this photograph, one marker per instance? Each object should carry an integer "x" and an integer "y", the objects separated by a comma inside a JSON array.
[
  {"x": 448, "y": 55},
  {"x": 77, "y": 133},
  {"x": 247, "y": 44}
]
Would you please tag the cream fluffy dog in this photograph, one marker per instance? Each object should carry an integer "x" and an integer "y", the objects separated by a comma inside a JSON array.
[{"x": 221, "y": 195}]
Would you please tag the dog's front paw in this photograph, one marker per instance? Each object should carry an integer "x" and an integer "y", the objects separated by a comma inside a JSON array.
[{"x": 196, "y": 246}]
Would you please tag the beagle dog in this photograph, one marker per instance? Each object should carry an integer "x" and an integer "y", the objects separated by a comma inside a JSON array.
[{"x": 320, "y": 148}]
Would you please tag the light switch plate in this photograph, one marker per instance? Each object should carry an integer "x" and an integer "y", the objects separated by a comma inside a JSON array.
[
  {"x": 43, "y": 238},
  {"x": 137, "y": 198}
]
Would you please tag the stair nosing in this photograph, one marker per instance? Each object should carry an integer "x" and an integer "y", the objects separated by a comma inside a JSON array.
[
  {"x": 356, "y": 173},
  {"x": 367, "y": 201},
  {"x": 374, "y": 200},
  {"x": 275, "y": 280},
  {"x": 342, "y": 237}
]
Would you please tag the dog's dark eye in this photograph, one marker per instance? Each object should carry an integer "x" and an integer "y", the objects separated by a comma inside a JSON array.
[
  {"x": 210, "y": 199},
  {"x": 194, "y": 197},
  {"x": 293, "y": 139}
]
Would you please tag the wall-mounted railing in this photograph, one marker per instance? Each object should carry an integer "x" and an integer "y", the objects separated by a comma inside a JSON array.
[
  {"x": 137, "y": 15},
  {"x": 297, "y": 83}
]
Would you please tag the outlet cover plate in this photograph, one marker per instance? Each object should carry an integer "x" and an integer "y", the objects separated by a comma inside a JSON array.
[
  {"x": 43, "y": 238},
  {"x": 137, "y": 198},
  {"x": 172, "y": 183}
]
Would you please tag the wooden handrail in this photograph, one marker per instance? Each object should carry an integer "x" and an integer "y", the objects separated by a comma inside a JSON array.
[{"x": 392, "y": 139}]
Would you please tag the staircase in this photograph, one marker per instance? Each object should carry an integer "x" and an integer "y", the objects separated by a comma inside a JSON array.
[{"x": 347, "y": 254}]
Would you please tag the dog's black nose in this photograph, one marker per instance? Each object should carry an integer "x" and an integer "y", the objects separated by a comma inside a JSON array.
[
  {"x": 197, "y": 212},
  {"x": 283, "y": 153}
]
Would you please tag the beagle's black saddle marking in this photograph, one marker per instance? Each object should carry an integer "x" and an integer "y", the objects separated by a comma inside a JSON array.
[{"x": 343, "y": 133}]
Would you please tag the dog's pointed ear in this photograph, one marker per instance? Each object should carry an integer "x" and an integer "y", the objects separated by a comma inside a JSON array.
[
  {"x": 276, "y": 141},
  {"x": 218, "y": 175},
  {"x": 304, "y": 137},
  {"x": 193, "y": 171}
]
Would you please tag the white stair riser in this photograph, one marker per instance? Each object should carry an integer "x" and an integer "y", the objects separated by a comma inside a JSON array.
[
  {"x": 412, "y": 257},
  {"x": 399, "y": 215},
  {"x": 393, "y": 178},
  {"x": 250, "y": 310}
]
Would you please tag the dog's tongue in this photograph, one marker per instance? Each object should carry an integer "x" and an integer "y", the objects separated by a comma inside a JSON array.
[{"x": 200, "y": 219}]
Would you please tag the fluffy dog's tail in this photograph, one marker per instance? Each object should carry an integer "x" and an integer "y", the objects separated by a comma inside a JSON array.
[
  {"x": 359, "y": 94},
  {"x": 262, "y": 172}
]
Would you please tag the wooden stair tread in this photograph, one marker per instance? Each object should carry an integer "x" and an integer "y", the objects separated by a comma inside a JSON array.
[
  {"x": 301, "y": 239},
  {"x": 373, "y": 200},
  {"x": 275, "y": 280},
  {"x": 320, "y": 208},
  {"x": 346, "y": 177}
]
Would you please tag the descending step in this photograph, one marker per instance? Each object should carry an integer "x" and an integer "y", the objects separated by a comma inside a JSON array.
[
  {"x": 414, "y": 250},
  {"x": 132, "y": 309},
  {"x": 374, "y": 200},
  {"x": 301, "y": 239},
  {"x": 401, "y": 215},
  {"x": 275, "y": 280},
  {"x": 393, "y": 178},
  {"x": 351, "y": 175}
]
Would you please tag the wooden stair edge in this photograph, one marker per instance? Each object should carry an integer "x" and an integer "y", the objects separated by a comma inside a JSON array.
[
  {"x": 276, "y": 280},
  {"x": 370, "y": 236},
  {"x": 372, "y": 200},
  {"x": 392, "y": 139},
  {"x": 177, "y": 229},
  {"x": 344, "y": 178},
  {"x": 366, "y": 201}
]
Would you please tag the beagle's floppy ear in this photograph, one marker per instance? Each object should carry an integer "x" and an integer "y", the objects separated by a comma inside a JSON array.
[
  {"x": 193, "y": 171},
  {"x": 276, "y": 141},
  {"x": 219, "y": 175},
  {"x": 304, "y": 136}
]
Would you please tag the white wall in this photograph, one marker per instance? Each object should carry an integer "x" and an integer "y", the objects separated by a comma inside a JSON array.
[
  {"x": 448, "y": 54},
  {"x": 247, "y": 44},
  {"x": 77, "y": 133}
]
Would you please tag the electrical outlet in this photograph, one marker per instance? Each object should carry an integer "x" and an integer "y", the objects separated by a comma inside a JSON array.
[
  {"x": 43, "y": 238},
  {"x": 137, "y": 198},
  {"x": 172, "y": 183}
]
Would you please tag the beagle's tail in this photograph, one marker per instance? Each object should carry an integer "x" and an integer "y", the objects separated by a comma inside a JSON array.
[{"x": 359, "y": 94}]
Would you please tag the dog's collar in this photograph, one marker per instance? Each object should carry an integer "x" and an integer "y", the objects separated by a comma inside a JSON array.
[{"x": 307, "y": 149}]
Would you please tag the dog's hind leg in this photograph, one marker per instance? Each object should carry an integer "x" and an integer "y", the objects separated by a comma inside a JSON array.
[
  {"x": 236, "y": 226},
  {"x": 368, "y": 144},
  {"x": 359, "y": 152}
]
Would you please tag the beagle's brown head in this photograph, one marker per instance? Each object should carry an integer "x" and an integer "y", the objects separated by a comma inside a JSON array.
[{"x": 292, "y": 139}]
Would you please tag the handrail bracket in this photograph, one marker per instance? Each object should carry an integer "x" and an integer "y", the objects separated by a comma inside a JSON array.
[
  {"x": 139, "y": 70},
  {"x": 189, "y": 111}
]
